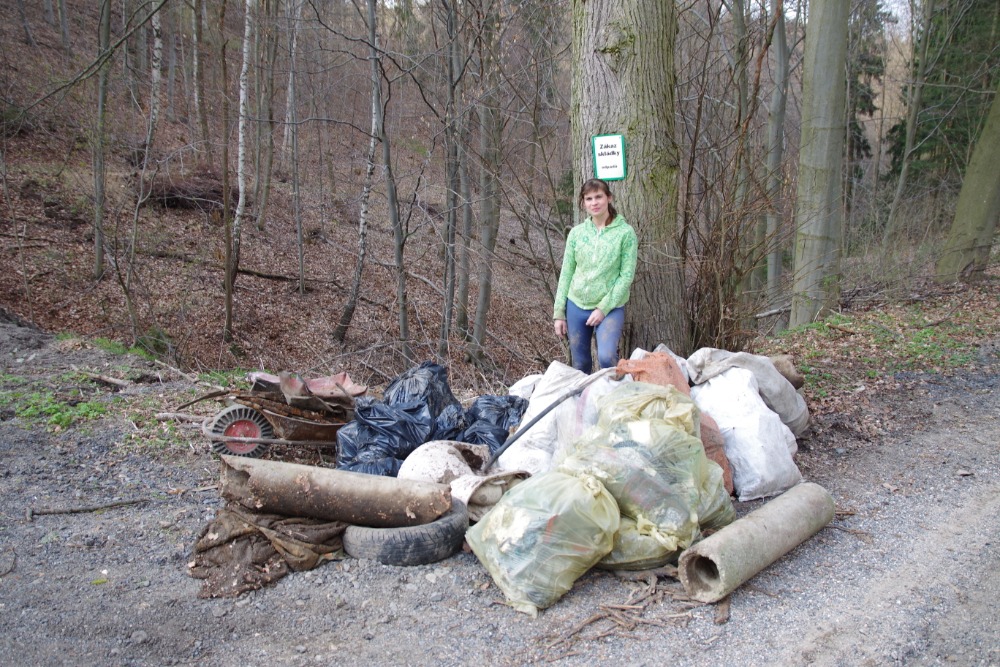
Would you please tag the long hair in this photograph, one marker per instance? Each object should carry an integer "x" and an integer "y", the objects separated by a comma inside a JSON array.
[{"x": 594, "y": 185}]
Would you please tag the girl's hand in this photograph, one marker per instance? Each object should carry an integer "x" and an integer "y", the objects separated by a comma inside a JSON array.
[
  {"x": 560, "y": 326},
  {"x": 595, "y": 318}
]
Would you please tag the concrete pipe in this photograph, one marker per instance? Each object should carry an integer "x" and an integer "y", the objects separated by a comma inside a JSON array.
[
  {"x": 334, "y": 495},
  {"x": 713, "y": 568}
]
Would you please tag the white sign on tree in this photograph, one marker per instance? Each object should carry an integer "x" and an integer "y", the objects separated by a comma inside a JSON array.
[{"x": 609, "y": 157}]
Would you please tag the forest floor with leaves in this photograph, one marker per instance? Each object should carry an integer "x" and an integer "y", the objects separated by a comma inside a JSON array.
[{"x": 104, "y": 497}]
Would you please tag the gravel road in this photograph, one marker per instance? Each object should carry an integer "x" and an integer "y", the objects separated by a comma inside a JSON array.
[{"x": 906, "y": 574}]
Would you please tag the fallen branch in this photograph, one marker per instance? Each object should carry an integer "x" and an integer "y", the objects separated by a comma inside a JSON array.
[
  {"x": 865, "y": 537},
  {"x": 775, "y": 311},
  {"x": 107, "y": 379},
  {"x": 178, "y": 416},
  {"x": 32, "y": 512}
]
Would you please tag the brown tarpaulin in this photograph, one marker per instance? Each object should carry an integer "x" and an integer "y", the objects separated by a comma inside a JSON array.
[{"x": 240, "y": 550}]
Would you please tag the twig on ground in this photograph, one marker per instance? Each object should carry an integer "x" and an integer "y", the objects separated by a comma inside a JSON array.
[
  {"x": 864, "y": 536},
  {"x": 723, "y": 609},
  {"x": 32, "y": 512},
  {"x": 107, "y": 379},
  {"x": 178, "y": 416}
]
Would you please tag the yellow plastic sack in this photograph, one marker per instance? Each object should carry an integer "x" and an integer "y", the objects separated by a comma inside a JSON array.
[
  {"x": 655, "y": 472},
  {"x": 543, "y": 535},
  {"x": 635, "y": 550},
  {"x": 640, "y": 400}
]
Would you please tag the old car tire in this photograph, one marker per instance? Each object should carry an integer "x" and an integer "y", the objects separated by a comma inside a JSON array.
[
  {"x": 240, "y": 421},
  {"x": 412, "y": 545}
]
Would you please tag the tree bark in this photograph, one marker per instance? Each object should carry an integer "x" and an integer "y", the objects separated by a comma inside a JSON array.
[
  {"x": 623, "y": 82},
  {"x": 819, "y": 206},
  {"x": 266, "y": 104},
  {"x": 966, "y": 251}
]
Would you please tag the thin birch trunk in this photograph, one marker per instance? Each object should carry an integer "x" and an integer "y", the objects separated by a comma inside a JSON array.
[
  {"x": 241, "y": 151},
  {"x": 296, "y": 16},
  {"x": 340, "y": 333}
]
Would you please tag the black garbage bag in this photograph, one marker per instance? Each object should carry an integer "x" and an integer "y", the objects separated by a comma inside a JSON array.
[
  {"x": 450, "y": 424},
  {"x": 359, "y": 451},
  {"x": 426, "y": 383},
  {"x": 502, "y": 411},
  {"x": 417, "y": 407},
  {"x": 491, "y": 419},
  {"x": 399, "y": 428},
  {"x": 484, "y": 433}
]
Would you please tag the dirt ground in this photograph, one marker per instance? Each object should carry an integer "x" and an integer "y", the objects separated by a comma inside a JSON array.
[{"x": 906, "y": 574}]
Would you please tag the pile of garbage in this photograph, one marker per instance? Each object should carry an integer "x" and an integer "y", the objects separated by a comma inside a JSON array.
[{"x": 626, "y": 469}]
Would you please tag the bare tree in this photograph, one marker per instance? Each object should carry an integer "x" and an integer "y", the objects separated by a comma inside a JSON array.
[
  {"x": 197, "y": 73},
  {"x": 233, "y": 246},
  {"x": 100, "y": 174},
  {"x": 340, "y": 333}
]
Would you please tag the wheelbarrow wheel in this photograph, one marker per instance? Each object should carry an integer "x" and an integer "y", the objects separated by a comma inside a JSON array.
[{"x": 239, "y": 421}]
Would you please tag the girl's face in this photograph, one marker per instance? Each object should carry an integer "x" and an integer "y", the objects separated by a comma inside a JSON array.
[{"x": 596, "y": 203}]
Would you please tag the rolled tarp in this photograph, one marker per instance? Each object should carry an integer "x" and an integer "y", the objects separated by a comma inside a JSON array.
[
  {"x": 713, "y": 568},
  {"x": 298, "y": 490}
]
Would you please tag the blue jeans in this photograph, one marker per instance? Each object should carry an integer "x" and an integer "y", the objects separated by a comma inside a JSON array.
[{"x": 608, "y": 332}]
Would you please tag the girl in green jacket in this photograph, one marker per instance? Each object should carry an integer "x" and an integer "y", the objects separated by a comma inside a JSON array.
[{"x": 597, "y": 271}]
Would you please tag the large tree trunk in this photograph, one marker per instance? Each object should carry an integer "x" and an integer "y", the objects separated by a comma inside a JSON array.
[
  {"x": 967, "y": 249},
  {"x": 64, "y": 28},
  {"x": 819, "y": 206},
  {"x": 103, "y": 44},
  {"x": 623, "y": 82}
]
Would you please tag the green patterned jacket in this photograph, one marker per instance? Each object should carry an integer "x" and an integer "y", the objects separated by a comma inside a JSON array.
[{"x": 598, "y": 267}]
